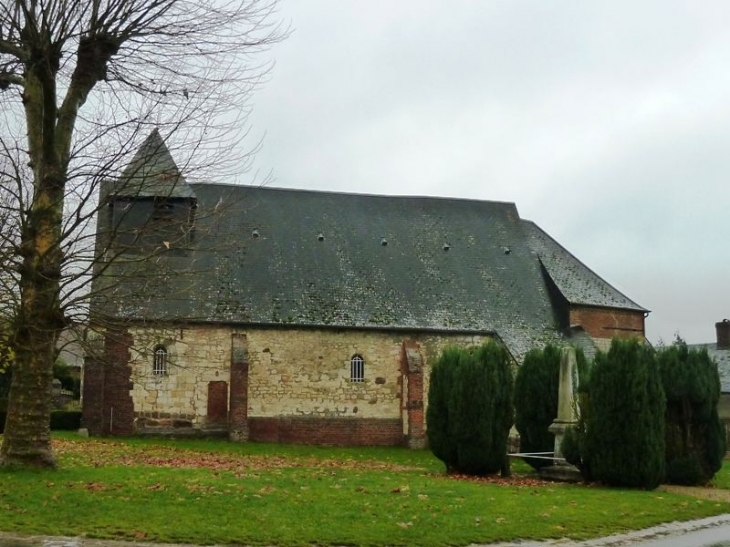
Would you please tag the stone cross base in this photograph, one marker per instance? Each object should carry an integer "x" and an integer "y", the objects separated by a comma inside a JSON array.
[{"x": 560, "y": 472}]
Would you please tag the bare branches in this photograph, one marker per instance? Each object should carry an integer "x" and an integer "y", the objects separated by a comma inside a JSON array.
[
  {"x": 94, "y": 78},
  {"x": 8, "y": 78}
]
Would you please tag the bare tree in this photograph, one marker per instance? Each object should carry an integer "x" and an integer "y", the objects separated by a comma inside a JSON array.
[{"x": 81, "y": 81}]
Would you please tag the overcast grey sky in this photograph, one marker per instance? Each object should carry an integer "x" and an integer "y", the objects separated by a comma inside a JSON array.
[{"x": 607, "y": 123}]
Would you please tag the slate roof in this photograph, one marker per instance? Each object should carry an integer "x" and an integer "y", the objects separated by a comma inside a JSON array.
[
  {"x": 153, "y": 173},
  {"x": 579, "y": 338},
  {"x": 722, "y": 358},
  {"x": 272, "y": 256},
  {"x": 320, "y": 260},
  {"x": 577, "y": 283}
]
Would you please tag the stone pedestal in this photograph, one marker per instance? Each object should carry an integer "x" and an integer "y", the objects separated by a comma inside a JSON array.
[{"x": 566, "y": 419}]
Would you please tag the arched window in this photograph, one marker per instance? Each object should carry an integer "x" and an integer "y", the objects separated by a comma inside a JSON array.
[
  {"x": 159, "y": 361},
  {"x": 357, "y": 369}
]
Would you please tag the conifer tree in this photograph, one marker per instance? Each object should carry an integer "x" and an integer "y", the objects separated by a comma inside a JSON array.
[
  {"x": 482, "y": 409},
  {"x": 469, "y": 411},
  {"x": 439, "y": 432},
  {"x": 536, "y": 401},
  {"x": 624, "y": 443},
  {"x": 695, "y": 436}
]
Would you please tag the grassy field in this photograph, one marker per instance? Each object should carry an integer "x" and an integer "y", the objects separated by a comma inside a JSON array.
[
  {"x": 214, "y": 492},
  {"x": 722, "y": 478}
]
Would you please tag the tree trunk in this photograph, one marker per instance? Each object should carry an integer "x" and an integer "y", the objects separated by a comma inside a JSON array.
[
  {"x": 35, "y": 332},
  {"x": 39, "y": 319},
  {"x": 27, "y": 439}
]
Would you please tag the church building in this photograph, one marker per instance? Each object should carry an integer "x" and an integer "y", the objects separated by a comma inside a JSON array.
[{"x": 285, "y": 315}]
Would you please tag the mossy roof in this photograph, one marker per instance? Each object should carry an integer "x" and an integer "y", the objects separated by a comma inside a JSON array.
[
  {"x": 576, "y": 282},
  {"x": 271, "y": 256}
]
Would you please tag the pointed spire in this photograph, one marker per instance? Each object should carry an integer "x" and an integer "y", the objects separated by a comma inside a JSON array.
[{"x": 153, "y": 173}]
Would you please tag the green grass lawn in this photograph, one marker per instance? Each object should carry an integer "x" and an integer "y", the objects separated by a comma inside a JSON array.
[
  {"x": 722, "y": 477},
  {"x": 217, "y": 492}
]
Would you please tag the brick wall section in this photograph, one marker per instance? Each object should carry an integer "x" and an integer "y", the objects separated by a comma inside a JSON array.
[
  {"x": 93, "y": 395},
  {"x": 108, "y": 405},
  {"x": 238, "y": 429},
  {"x": 607, "y": 322},
  {"x": 118, "y": 405},
  {"x": 327, "y": 431},
  {"x": 412, "y": 368}
]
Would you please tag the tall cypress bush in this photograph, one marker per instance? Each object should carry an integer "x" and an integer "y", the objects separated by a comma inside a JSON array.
[
  {"x": 438, "y": 419},
  {"x": 536, "y": 401},
  {"x": 469, "y": 411},
  {"x": 624, "y": 437},
  {"x": 695, "y": 436},
  {"x": 482, "y": 409}
]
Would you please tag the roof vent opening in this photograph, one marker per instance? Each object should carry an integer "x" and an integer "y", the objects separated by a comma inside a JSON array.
[
  {"x": 447, "y": 246},
  {"x": 255, "y": 233},
  {"x": 383, "y": 242},
  {"x": 320, "y": 236}
]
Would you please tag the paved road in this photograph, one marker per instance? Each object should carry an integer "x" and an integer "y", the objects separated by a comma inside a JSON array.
[{"x": 709, "y": 532}]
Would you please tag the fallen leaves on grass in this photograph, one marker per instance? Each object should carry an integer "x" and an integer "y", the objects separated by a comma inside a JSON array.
[
  {"x": 513, "y": 480},
  {"x": 103, "y": 453}
]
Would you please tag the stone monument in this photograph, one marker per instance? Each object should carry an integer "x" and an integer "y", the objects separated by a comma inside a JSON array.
[{"x": 565, "y": 420}]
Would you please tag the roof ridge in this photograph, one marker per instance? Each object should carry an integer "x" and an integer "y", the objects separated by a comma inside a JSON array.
[{"x": 353, "y": 194}]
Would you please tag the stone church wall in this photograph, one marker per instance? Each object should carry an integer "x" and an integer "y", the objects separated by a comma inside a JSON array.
[
  {"x": 196, "y": 357},
  {"x": 299, "y": 387}
]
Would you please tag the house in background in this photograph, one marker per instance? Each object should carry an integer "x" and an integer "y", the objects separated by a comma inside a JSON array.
[
  {"x": 720, "y": 353},
  {"x": 286, "y": 315}
]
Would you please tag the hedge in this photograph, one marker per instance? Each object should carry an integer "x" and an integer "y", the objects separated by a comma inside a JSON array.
[{"x": 61, "y": 420}]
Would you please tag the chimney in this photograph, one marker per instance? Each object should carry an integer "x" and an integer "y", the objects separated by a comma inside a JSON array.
[{"x": 723, "y": 334}]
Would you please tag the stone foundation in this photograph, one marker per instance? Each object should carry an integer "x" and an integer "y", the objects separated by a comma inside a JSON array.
[{"x": 327, "y": 431}]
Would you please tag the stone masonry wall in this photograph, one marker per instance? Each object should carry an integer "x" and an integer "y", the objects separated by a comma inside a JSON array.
[
  {"x": 307, "y": 372},
  {"x": 196, "y": 356},
  {"x": 294, "y": 377}
]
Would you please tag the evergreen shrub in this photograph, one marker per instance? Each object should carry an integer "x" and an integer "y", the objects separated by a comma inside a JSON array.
[
  {"x": 439, "y": 432},
  {"x": 65, "y": 420},
  {"x": 695, "y": 436},
  {"x": 470, "y": 408},
  {"x": 624, "y": 431},
  {"x": 536, "y": 401},
  {"x": 482, "y": 410}
]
